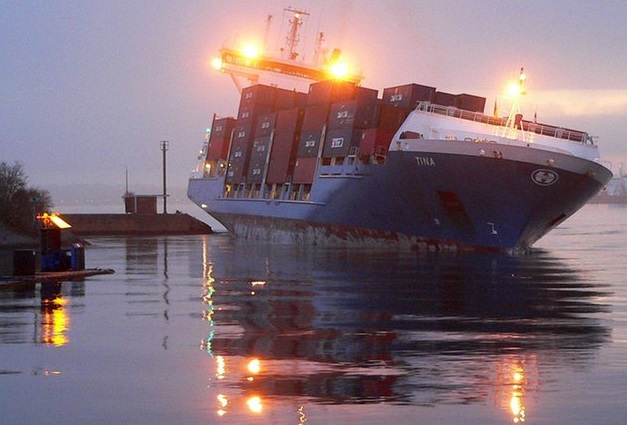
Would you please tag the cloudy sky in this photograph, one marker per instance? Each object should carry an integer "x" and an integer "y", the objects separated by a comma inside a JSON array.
[{"x": 89, "y": 88}]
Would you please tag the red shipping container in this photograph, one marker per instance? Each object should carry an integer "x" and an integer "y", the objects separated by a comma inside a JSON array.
[
  {"x": 259, "y": 94},
  {"x": 375, "y": 141},
  {"x": 218, "y": 148},
  {"x": 282, "y": 156},
  {"x": 222, "y": 127},
  {"x": 284, "y": 145},
  {"x": 330, "y": 91},
  {"x": 288, "y": 99},
  {"x": 445, "y": 99},
  {"x": 470, "y": 102},
  {"x": 278, "y": 170},
  {"x": 304, "y": 170},
  {"x": 315, "y": 117},
  {"x": 289, "y": 120},
  {"x": 364, "y": 94},
  {"x": 391, "y": 117},
  {"x": 300, "y": 100}
]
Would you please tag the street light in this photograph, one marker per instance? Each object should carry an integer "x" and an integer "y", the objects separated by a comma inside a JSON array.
[{"x": 164, "y": 147}]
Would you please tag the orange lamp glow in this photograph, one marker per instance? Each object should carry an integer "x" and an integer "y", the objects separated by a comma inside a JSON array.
[
  {"x": 216, "y": 63},
  {"x": 339, "y": 70},
  {"x": 250, "y": 51}
]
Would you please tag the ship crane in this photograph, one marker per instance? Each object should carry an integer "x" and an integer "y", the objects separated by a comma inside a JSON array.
[{"x": 246, "y": 65}]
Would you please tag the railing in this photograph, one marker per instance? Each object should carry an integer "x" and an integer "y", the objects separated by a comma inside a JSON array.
[{"x": 529, "y": 126}]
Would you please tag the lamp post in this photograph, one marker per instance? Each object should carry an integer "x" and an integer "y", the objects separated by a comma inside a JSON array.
[{"x": 164, "y": 147}]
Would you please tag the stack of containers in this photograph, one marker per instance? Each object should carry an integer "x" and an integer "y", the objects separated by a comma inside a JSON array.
[
  {"x": 255, "y": 101},
  {"x": 261, "y": 147},
  {"x": 347, "y": 120},
  {"x": 397, "y": 103},
  {"x": 284, "y": 145},
  {"x": 281, "y": 133},
  {"x": 252, "y": 141},
  {"x": 321, "y": 95}
]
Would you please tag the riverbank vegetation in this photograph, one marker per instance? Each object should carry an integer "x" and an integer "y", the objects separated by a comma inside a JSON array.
[{"x": 20, "y": 203}]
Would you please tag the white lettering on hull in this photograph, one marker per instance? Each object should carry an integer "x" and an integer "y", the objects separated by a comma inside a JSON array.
[{"x": 425, "y": 161}]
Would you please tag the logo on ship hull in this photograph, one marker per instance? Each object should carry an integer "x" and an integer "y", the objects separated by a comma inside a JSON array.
[{"x": 544, "y": 177}]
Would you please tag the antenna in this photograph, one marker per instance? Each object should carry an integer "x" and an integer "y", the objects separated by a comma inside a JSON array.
[
  {"x": 265, "y": 36},
  {"x": 293, "y": 37}
]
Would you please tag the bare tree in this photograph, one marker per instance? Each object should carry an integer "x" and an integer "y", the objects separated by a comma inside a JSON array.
[{"x": 19, "y": 203}]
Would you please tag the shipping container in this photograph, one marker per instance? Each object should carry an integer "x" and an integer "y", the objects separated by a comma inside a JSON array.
[
  {"x": 284, "y": 145},
  {"x": 364, "y": 94},
  {"x": 281, "y": 159},
  {"x": 330, "y": 91},
  {"x": 375, "y": 141},
  {"x": 239, "y": 156},
  {"x": 408, "y": 95},
  {"x": 287, "y": 134},
  {"x": 304, "y": 170},
  {"x": 445, "y": 99},
  {"x": 256, "y": 101},
  {"x": 315, "y": 117},
  {"x": 243, "y": 136},
  {"x": 391, "y": 117},
  {"x": 279, "y": 169},
  {"x": 352, "y": 114},
  {"x": 218, "y": 148},
  {"x": 237, "y": 169},
  {"x": 250, "y": 111},
  {"x": 265, "y": 124},
  {"x": 339, "y": 141},
  {"x": 260, "y": 149},
  {"x": 288, "y": 99},
  {"x": 290, "y": 120},
  {"x": 256, "y": 168},
  {"x": 300, "y": 100},
  {"x": 470, "y": 102},
  {"x": 309, "y": 143},
  {"x": 222, "y": 127},
  {"x": 259, "y": 94}
]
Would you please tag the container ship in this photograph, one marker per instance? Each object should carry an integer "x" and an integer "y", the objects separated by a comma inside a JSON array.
[{"x": 415, "y": 168}]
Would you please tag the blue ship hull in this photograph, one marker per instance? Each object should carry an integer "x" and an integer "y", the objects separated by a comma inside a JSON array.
[{"x": 440, "y": 195}]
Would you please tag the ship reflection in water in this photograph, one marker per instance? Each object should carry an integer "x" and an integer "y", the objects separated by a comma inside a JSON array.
[{"x": 353, "y": 327}]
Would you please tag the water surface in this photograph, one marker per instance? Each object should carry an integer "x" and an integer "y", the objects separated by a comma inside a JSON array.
[{"x": 205, "y": 329}]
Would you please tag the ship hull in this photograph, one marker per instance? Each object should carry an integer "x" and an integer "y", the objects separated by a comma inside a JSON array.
[{"x": 434, "y": 195}]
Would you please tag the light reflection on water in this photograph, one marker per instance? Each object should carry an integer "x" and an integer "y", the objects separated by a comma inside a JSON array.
[
  {"x": 211, "y": 330},
  {"x": 346, "y": 327}
]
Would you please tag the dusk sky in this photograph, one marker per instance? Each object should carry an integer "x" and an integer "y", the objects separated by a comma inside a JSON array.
[{"x": 89, "y": 88}]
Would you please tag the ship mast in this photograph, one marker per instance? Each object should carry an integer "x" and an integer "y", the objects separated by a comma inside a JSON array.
[
  {"x": 251, "y": 63},
  {"x": 514, "y": 120},
  {"x": 293, "y": 37}
]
